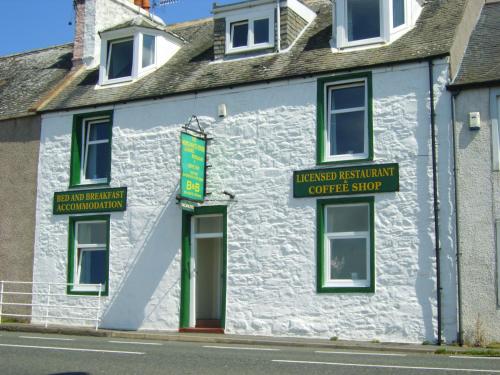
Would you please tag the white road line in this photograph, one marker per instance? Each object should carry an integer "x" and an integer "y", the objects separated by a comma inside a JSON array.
[
  {"x": 363, "y": 353},
  {"x": 135, "y": 343},
  {"x": 45, "y": 338},
  {"x": 473, "y": 357},
  {"x": 241, "y": 348},
  {"x": 69, "y": 349},
  {"x": 388, "y": 366}
]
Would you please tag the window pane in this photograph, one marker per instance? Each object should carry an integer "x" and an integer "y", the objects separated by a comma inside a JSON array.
[
  {"x": 347, "y": 133},
  {"x": 98, "y": 131},
  {"x": 363, "y": 19},
  {"x": 348, "y": 259},
  {"x": 398, "y": 12},
  {"x": 148, "y": 50},
  {"x": 348, "y": 97},
  {"x": 120, "y": 61},
  {"x": 92, "y": 233},
  {"x": 239, "y": 37},
  {"x": 261, "y": 31},
  {"x": 212, "y": 224},
  {"x": 92, "y": 266},
  {"x": 347, "y": 218},
  {"x": 97, "y": 161}
]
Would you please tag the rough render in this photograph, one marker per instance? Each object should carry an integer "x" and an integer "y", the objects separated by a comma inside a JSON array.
[{"x": 269, "y": 132}]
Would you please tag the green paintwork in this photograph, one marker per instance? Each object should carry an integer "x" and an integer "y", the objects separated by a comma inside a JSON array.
[
  {"x": 193, "y": 165},
  {"x": 366, "y": 179},
  {"x": 320, "y": 251},
  {"x": 321, "y": 122},
  {"x": 76, "y": 145},
  {"x": 71, "y": 253},
  {"x": 186, "y": 261},
  {"x": 90, "y": 201}
]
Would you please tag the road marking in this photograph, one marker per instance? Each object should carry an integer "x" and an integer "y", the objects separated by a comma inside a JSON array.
[
  {"x": 387, "y": 366},
  {"x": 69, "y": 349},
  {"x": 45, "y": 338},
  {"x": 363, "y": 353},
  {"x": 240, "y": 348},
  {"x": 135, "y": 343},
  {"x": 473, "y": 357}
]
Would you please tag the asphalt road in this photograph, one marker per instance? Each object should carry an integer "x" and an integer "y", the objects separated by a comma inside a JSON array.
[{"x": 33, "y": 354}]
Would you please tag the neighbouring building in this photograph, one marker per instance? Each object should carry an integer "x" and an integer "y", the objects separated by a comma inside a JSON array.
[
  {"x": 26, "y": 80},
  {"x": 327, "y": 204},
  {"x": 476, "y": 103}
]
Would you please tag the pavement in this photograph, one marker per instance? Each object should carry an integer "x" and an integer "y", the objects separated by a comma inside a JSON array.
[{"x": 234, "y": 339}]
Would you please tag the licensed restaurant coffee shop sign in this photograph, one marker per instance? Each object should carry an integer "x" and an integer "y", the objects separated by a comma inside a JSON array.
[
  {"x": 90, "y": 201},
  {"x": 366, "y": 179}
]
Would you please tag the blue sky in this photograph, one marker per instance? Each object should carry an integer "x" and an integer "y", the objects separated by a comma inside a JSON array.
[{"x": 33, "y": 24}]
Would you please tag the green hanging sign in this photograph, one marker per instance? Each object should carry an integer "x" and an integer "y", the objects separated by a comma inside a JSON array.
[{"x": 193, "y": 167}]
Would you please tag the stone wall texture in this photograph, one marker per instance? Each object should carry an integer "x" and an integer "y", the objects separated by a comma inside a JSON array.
[
  {"x": 478, "y": 210},
  {"x": 270, "y": 131},
  {"x": 291, "y": 24}
]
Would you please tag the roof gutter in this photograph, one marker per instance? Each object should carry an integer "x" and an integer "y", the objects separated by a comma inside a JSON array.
[{"x": 473, "y": 85}]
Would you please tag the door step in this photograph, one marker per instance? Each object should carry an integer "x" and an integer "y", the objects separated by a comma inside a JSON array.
[
  {"x": 202, "y": 330},
  {"x": 208, "y": 323}
]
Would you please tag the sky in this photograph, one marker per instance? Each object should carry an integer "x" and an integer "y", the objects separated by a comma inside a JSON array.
[{"x": 32, "y": 24}]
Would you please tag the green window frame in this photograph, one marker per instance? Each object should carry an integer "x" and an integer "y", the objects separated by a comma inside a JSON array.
[
  {"x": 346, "y": 239},
  {"x": 326, "y": 86},
  {"x": 76, "y": 252},
  {"x": 82, "y": 145}
]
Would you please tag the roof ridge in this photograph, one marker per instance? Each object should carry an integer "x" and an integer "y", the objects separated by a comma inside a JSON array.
[{"x": 33, "y": 51}]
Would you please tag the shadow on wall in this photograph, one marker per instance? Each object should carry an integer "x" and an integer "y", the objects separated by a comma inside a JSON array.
[{"x": 127, "y": 308}]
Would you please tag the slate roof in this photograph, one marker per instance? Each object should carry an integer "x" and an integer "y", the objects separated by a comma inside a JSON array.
[
  {"x": 192, "y": 69},
  {"x": 481, "y": 63},
  {"x": 27, "y": 77}
]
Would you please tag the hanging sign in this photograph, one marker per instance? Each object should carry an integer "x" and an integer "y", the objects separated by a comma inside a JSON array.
[
  {"x": 90, "y": 201},
  {"x": 193, "y": 166},
  {"x": 366, "y": 179}
]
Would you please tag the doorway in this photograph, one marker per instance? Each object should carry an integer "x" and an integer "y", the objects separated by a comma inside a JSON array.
[{"x": 203, "y": 286}]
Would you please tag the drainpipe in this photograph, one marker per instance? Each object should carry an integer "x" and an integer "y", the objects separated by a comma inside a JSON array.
[
  {"x": 278, "y": 26},
  {"x": 460, "y": 336},
  {"x": 436, "y": 198}
]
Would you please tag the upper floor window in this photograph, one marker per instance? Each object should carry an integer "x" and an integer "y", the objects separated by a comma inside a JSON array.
[
  {"x": 344, "y": 118},
  {"x": 91, "y": 149},
  {"x": 252, "y": 33},
  {"x": 120, "y": 58},
  {"x": 361, "y": 22}
]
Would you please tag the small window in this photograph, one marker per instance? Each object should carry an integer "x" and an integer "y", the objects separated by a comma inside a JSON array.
[
  {"x": 148, "y": 50},
  {"x": 345, "y": 124},
  {"x": 398, "y": 13},
  {"x": 363, "y": 19},
  {"x": 88, "y": 254},
  {"x": 249, "y": 34},
  {"x": 120, "y": 58},
  {"x": 345, "y": 242},
  {"x": 91, "y": 149}
]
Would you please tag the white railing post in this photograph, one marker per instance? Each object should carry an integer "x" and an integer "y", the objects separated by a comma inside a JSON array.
[
  {"x": 48, "y": 307},
  {"x": 1, "y": 300},
  {"x": 98, "y": 308}
]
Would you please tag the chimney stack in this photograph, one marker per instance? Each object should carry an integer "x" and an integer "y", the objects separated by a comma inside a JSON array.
[{"x": 144, "y": 4}]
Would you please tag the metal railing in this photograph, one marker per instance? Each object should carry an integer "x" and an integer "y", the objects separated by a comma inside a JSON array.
[{"x": 47, "y": 303}]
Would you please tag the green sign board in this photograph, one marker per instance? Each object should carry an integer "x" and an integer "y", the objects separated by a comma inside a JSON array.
[
  {"x": 90, "y": 201},
  {"x": 366, "y": 179},
  {"x": 193, "y": 164}
]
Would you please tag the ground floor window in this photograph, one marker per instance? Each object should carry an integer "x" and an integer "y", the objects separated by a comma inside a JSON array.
[
  {"x": 346, "y": 261},
  {"x": 88, "y": 256}
]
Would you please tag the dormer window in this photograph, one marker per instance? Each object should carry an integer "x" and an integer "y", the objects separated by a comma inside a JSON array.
[
  {"x": 250, "y": 34},
  {"x": 133, "y": 50},
  {"x": 363, "y": 22}
]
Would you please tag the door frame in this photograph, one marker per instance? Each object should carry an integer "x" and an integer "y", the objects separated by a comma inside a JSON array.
[{"x": 186, "y": 262}]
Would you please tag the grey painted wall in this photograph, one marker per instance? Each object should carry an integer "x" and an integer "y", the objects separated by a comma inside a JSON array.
[
  {"x": 19, "y": 145},
  {"x": 478, "y": 207}
]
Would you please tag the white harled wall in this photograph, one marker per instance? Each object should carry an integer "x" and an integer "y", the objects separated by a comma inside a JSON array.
[{"x": 270, "y": 132}]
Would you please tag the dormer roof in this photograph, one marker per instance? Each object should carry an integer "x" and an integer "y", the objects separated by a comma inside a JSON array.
[{"x": 193, "y": 69}]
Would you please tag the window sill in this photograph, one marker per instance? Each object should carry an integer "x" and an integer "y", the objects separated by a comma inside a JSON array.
[
  {"x": 330, "y": 289},
  {"x": 86, "y": 292},
  {"x": 241, "y": 50},
  {"x": 89, "y": 185},
  {"x": 345, "y": 161}
]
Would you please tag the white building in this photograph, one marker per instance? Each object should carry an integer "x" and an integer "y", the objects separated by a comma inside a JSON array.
[{"x": 326, "y": 186}]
